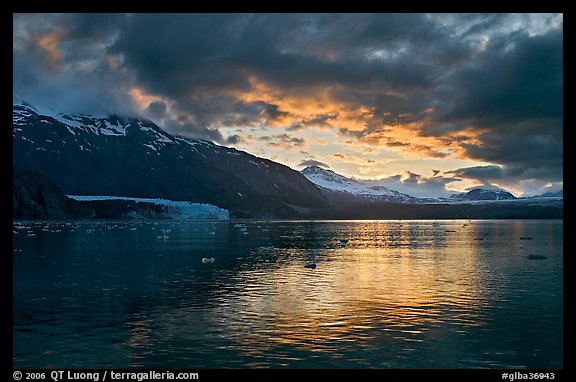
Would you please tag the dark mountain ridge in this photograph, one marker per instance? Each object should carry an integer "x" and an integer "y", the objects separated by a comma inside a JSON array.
[
  {"x": 35, "y": 196},
  {"x": 484, "y": 194},
  {"x": 134, "y": 157}
]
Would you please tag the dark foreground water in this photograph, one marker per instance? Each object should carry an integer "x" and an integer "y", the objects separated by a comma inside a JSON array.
[{"x": 384, "y": 294}]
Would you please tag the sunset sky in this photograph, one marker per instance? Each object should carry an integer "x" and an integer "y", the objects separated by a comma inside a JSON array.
[{"x": 429, "y": 104}]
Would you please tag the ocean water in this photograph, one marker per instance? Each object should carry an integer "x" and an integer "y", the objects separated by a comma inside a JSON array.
[{"x": 384, "y": 294}]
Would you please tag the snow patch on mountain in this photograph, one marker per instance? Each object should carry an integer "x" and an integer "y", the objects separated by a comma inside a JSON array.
[
  {"x": 110, "y": 125},
  {"x": 332, "y": 181}
]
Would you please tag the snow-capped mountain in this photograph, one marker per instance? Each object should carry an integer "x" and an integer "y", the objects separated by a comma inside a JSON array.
[
  {"x": 133, "y": 157},
  {"x": 484, "y": 194},
  {"x": 330, "y": 180}
]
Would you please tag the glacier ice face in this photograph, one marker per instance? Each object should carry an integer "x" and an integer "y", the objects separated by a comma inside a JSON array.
[{"x": 178, "y": 210}]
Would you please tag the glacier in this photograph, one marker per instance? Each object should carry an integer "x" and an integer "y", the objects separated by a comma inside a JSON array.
[{"x": 178, "y": 210}]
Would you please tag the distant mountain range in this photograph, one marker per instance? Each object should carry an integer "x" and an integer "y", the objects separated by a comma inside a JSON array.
[
  {"x": 134, "y": 158},
  {"x": 330, "y": 180}
]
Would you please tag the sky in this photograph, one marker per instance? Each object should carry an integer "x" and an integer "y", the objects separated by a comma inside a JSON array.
[{"x": 427, "y": 104}]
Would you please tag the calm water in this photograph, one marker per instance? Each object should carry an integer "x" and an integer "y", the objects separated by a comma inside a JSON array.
[{"x": 385, "y": 294}]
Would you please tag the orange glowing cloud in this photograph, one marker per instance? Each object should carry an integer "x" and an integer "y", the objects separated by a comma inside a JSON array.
[
  {"x": 408, "y": 139},
  {"x": 49, "y": 44},
  {"x": 317, "y": 109},
  {"x": 356, "y": 159},
  {"x": 301, "y": 108},
  {"x": 142, "y": 100}
]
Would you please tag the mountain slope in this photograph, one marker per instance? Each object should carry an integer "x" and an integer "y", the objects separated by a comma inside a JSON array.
[
  {"x": 557, "y": 194},
  {"x": 330, "y": 180},
  {"x": 133, "y": 157},
  {"x": 484, "y": 194},
  {"x": 35, "y": 196}
]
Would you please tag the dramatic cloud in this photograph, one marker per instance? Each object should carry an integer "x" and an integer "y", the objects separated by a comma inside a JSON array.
[
  {"x": 519, "y": 179},
  {"x": 60, "y": 62},
  {"x": 513, "y": 94},
  {"x": 481, "y": 88},
  {"x": 157, "y": 109},
  {"x": 418, "y": 185}
]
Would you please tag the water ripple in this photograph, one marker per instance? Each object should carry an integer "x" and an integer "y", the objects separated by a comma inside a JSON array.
[{"x": 413, "y": 294}]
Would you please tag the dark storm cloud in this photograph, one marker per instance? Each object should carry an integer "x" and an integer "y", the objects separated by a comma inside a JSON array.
[
  {"x": 174, "y": 54},
  {"x": 58, "y": 63},
  {"x": 319, "y": 120},
  {"x": 234, "y": 139},
  {"x": 537, "y": 153},
  {"x": 179, "y": 55},
  {"x": 393, "y": 143},
  {"x": 509, "y": 173},
  {"x": 96, "y": 27},
  {"x": 271, "y": 112},
  {"x": 445, "y": 74},
  {"x": 244, "y": 114},
  {"x": 483, "y": 173},
  {"x": 192, "y": 130},
  {"x": 513, "y": 91},
  {"x": 418, "y": 185},
  {"x": 157, "y": 109},
  {"x": 286, "y": 141},
  {"x": 513, "y": 79}
]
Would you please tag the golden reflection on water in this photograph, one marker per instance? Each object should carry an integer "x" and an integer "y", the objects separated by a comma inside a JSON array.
[
  {"x": 381, "y": 283},
  {"x": 399, "y": 294}
]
